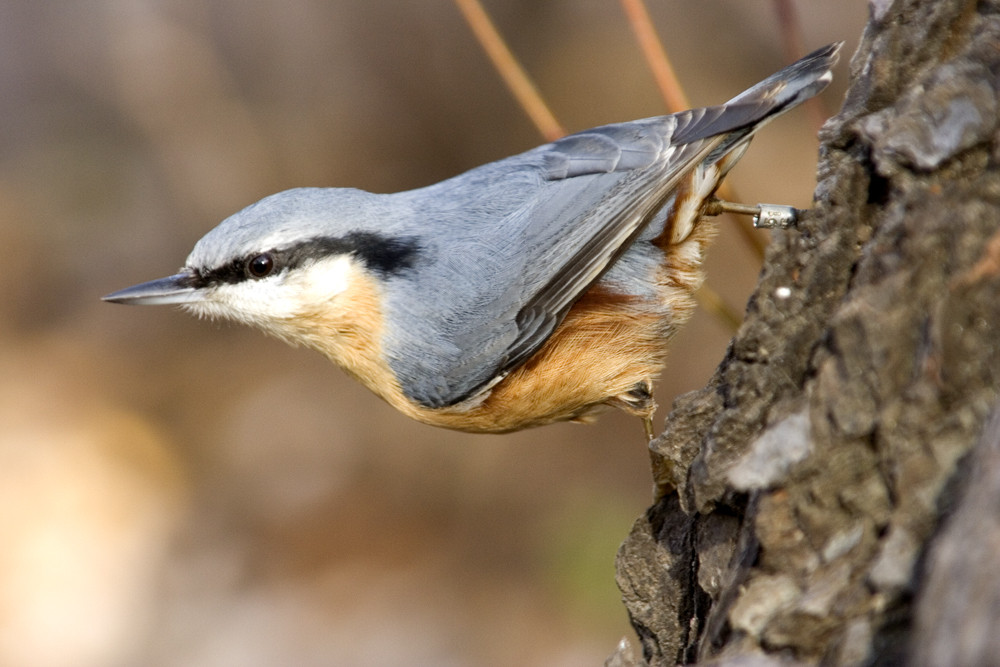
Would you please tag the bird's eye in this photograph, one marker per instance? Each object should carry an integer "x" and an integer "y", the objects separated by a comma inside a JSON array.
[{"x": 260, "y": 266}]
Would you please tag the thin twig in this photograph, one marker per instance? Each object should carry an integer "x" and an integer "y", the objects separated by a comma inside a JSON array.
[
  {"x": 656, "y": 56},
  {"x": 530, "y": 100},
  {"x": 675, "y": 98},
  {"x": 512, "y": 73}
]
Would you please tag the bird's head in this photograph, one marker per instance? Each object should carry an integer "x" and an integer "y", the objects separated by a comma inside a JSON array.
[{"x": 291, "y": 263}]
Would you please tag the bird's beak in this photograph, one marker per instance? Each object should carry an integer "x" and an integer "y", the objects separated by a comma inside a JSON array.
[{"x": 170, "y": 290}]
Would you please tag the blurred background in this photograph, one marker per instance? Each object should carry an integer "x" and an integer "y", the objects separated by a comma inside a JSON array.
[{"x": 179, "y": 492}]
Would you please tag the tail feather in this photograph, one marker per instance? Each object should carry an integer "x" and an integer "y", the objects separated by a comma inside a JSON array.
[{"x": 753, "y": 107}]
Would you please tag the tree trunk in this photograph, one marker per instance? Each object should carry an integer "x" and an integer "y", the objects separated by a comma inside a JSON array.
[{"x": 833, "y": 494}]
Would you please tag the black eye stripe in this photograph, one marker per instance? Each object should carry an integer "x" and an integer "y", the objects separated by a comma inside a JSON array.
[
  {"x": 384, "y": 255},
  {"x": 228, "y": 273}
]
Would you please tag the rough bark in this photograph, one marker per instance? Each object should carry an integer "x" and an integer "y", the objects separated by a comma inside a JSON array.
[{"x": 831, "y": 496}]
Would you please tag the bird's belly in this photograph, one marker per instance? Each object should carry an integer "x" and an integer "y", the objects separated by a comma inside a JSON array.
[{"x": 605, "y": 346}]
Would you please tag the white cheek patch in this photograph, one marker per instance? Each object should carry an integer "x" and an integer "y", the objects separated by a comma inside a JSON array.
[
  {"x": 324, "y": 279},
  {"x": 252, "y": 301},
  {"x": 281, "y": 296}
]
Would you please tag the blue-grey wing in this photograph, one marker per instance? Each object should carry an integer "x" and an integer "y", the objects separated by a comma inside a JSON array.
[
  {"x": 517, "y": 242},
  {"x": 532, "y": 233}
]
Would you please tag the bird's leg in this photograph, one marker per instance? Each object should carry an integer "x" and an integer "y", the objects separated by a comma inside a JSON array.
[
  {"x": 638, "y": 401},
  {"x": 647, "y": 423},
  {"x": 765, "y": 216}
]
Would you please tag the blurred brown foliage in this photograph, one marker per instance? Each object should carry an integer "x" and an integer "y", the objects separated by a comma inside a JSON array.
[{"x": 178, "y": 492}]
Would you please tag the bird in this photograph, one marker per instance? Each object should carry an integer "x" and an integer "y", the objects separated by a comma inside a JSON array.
[{"x": 540, "y": 288}]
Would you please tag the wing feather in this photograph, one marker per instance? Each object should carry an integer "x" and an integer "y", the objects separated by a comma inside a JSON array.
[{"x": 553, "y": 220}]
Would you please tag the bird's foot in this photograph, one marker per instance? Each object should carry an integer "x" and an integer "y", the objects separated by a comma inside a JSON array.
[
  {"x": 638, "y": 401},
  {"x": 765, "y": 216}
]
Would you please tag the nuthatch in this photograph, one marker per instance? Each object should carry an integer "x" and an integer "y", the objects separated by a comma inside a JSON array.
[{"x": 532, "y": 290}]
